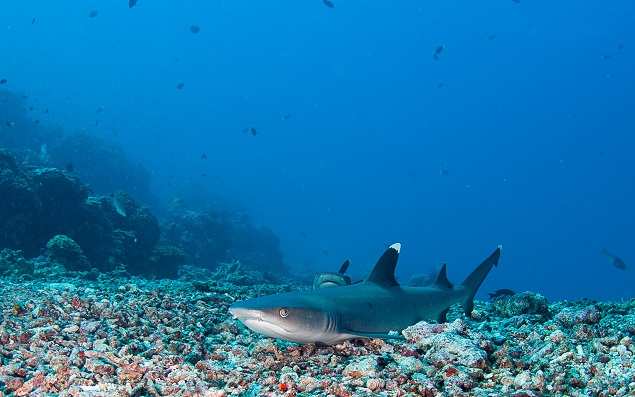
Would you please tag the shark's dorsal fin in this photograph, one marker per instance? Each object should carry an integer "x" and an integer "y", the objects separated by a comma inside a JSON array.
[
  {"x": 384, "y": 271},
  {"x": 442, "y": 278}
]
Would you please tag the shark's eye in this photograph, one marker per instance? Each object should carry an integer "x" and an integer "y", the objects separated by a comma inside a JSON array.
[{"x": 283, "y": 313}]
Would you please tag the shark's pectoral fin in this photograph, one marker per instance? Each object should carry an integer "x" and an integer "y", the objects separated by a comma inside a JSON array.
[{"x": 377, "y": 335}]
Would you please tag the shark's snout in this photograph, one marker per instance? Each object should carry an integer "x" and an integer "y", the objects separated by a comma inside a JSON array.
[{"x": 243, "y": 313}]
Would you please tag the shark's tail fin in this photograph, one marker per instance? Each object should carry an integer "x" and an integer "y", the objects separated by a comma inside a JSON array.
[{"x": 475, "y": 279}]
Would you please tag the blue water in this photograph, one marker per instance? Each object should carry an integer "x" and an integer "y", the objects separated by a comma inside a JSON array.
[{"x": 520, "y": 134}]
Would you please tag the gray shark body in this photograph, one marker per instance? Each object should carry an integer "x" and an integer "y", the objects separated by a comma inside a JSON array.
[{"x": 371, "y": 309}]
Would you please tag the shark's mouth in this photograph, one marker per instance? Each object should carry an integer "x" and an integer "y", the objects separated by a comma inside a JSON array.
[{"x": 265, "y": 327}]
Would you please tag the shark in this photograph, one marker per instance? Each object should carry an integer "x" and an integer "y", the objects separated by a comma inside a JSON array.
[{"x": 377, "y": 307}]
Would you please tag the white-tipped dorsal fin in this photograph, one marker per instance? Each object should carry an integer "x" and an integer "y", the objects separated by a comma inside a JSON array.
[{"x": 384, "y": 271}]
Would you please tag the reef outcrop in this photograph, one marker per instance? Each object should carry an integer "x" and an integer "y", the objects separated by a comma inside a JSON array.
[{"x": 48, "y": 210}]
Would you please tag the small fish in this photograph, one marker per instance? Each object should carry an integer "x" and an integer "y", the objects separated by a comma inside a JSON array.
[
  {"x": 204, "y": 156},
  {"x": 119, "y": 207},
  {"x": 33, "y": 21},
  {"x": 491, "y": 37},
  {"x": 615, "y": 260},
  {"x": 180, "y": 86},
  {"x": 437, "y": 52},
  {"x": 195, "y": 29},
  {"x": 500, "y": 293},
  {"x": 443, "y": 171},
  {"x": 44, "y": 153},
  {"x": 328, "y": 3},
  {"x": 10, "y": 124},
  {"x": 3, "y": 81},
  {"x": 286, "y": 117},
  {"x": 132, "y": 3},
  {"x": 441, "y": 85},
  {"x": 93, "y": 14},
  {"x": 251, "y": 130},
  {"x": 100, "y": 109}
]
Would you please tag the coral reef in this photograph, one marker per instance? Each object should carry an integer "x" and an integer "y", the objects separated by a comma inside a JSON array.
[
  {"x": 66, "y": 252},
  {"x": 523, "y": 303},
  {"x": 103, "y": 165},
  {"x": 51, "y": 208},
  {"x": 13, "y": 263},
  {"x": 210, "y": 238},
  {"x": 48, "y": 207}
]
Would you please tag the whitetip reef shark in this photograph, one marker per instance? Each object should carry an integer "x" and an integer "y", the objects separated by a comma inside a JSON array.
[{"x": 374, "y": 308}]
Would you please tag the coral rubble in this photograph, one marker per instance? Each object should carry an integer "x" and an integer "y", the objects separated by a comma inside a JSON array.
[{"x": 137, "y": 337}]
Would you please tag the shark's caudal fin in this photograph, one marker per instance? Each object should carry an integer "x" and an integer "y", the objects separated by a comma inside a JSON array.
[
  {"x": 384, "y": 271},
  {"x": 475, "y": 279}
]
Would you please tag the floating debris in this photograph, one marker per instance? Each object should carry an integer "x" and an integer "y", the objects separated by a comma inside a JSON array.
[
  {"x": 180, "y": 86},
  {"x": 132, "y": 3},
  {"x": 328, "y": 3},
  {"x": 33, "y": 21},
  {"x": 204, "y": 156},
  {"x": 3, "y": 81},
  {"x": 195, "y": 29},
  {"x": 93, "y": 14}
]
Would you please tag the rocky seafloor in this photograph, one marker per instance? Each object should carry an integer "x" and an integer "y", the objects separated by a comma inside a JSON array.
[{"x": 121, "y": 336}]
